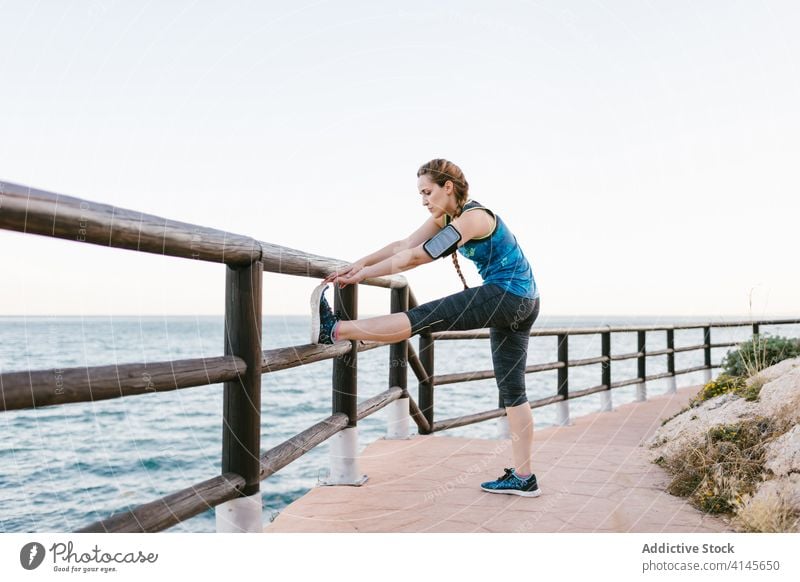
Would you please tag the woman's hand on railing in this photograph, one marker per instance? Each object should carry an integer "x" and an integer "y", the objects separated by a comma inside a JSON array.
[{"x": 349, "y": 274}]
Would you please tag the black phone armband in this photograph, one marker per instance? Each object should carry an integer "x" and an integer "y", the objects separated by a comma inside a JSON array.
[{"x": 443, "y": 243}]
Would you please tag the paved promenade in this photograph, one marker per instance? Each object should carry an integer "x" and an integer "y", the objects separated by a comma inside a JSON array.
[{"x": 594, "y": 476}]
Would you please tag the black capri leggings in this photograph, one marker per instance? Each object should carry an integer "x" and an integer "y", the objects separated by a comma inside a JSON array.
[{"x": 509, "y": 317}]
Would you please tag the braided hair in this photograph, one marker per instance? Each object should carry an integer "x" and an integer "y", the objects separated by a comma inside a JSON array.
[{"x": 440, "y": 171}]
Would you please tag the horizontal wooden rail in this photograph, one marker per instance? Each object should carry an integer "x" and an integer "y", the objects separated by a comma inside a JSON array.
[
  {"x": 484, "y": 333},
  {"x": 377, "y": 402},
  {"x": 588, "y": 361},
  {"x": 628, "y": 356},
  {"x": 694, "y": 369},
  {"x": 40, "y": 212},
  {"x": 587, "y": 391},
  {"x": 35, "y": 211},
  {"x": 487, "y": 374},
  {"x": 293, "y": 356},
  {"x": 172, "y": 509},
  {"x": 291, "y": 449},
  {"x": 691, "y": 348},
  {"x": 39, "y": 388},
  {"x": 628, "y": 382},
  {"x": 295, "y": 447},
  {"x": 468, "y": 419},
  {"x": 489, "y": 414},
  {"x": 657, "y": 376}
]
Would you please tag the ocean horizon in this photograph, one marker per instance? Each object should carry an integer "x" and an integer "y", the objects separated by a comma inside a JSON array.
[{"x": 66, "y": 466}]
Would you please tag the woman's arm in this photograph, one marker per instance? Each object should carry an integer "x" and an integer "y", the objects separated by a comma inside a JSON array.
[
  {"x": 429, "y": 228},
  {"x": 389, "y": 250},
  {"x": 402, "y": 261},
  {"x": 470, "y": 225},
  {"x": 423, "y": 233},
  {"x": 349, "y": 270}
]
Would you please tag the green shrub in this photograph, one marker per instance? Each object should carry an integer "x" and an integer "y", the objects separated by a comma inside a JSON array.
[{"x": 762, "y": 351}]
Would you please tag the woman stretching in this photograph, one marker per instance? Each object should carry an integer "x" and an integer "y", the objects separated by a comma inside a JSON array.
[{"x": 507, "y": 302}]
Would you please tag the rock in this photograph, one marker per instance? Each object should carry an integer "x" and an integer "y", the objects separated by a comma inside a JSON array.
[
  {"x": 773, "y": 372},
  {"x": 781, "y": 396},
  {"x": 775, "y": 505},
  {"x": 783, "y": 454},
  {"x": 692, "y": 425}
]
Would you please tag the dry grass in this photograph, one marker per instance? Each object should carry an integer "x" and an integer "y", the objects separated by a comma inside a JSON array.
[
  {"x": 774, "y": 512},
  {"x": 720, "y": 474}
]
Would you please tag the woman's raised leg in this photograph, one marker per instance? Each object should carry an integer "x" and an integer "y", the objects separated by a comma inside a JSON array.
[{"x": 385, "y": 328}]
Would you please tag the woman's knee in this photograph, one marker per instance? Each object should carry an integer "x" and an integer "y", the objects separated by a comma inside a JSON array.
[{"x": 513, "y": 397}]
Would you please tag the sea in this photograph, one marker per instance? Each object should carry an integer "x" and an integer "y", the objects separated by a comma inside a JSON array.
[{"x": 64, "y": 467}]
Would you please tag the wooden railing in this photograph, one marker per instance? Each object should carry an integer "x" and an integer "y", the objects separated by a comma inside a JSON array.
[
  {"x": 243, "y": 362},
  {"x": 563, "y": 364}
]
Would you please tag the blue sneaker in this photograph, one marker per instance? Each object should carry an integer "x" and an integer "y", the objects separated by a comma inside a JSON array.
[
  {"x": 513, "y": 485},
  {"x": 322, "y": 317}
]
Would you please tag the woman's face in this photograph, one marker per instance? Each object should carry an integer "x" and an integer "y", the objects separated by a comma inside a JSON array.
[{"x": 439, "y": 200}]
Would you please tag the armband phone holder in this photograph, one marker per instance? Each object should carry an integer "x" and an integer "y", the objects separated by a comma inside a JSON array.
[{"x": 443, "y": 243}]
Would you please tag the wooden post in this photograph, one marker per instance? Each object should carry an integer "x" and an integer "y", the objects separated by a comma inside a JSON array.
[
  {"x": 398, "y": 411},
  {"x": 641, "y": 386},
  {"x": 425, "y": 396},
  {"x": 707, "y": 353},
  {"x": 241, "y": 427},
  {"x": 344, "y": 444},
  {"x": 605, "y": 396},
  {"x": 345, "y": 368},
  {"x": 755, "y": 330},
  {"x": 562, "y": 407},
  {"x": 672, "y": 383}
]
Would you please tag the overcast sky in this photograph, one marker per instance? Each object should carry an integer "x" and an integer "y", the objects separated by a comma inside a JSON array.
[{"x": 644, "y": 153}]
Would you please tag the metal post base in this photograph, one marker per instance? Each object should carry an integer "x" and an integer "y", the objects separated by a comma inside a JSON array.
[
  {"x": 672, "y": 385},
  {"x": 562, "y": 413},
  {"x": 397, "y": 421},
  {"x": 605, "y": 401},
  {"x": 344, "y": 459},
  {"x": 240, "y": 515}
]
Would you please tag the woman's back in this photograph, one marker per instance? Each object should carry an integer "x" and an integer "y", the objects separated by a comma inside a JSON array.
[{"x": 499, "y": 257}]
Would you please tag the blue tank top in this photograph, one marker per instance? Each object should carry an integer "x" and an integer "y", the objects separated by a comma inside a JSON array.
[{"x": 499, "y": 257}]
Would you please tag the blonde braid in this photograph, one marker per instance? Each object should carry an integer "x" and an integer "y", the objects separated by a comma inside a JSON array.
[{"x": 455, "y": 252}]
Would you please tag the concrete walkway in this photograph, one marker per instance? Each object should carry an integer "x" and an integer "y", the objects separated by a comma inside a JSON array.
[{"x": 594, "y": 477}]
